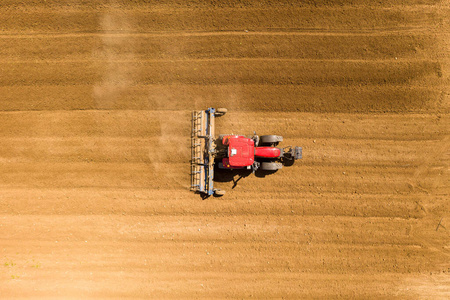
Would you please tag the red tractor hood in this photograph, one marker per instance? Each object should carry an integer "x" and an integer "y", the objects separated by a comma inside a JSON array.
[{"x": 269, "y": 152}]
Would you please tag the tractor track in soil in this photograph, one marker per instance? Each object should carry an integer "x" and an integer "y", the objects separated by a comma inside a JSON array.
[{"x": 95, "y": 102}]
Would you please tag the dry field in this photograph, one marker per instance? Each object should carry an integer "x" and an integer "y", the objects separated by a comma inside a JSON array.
[{"x": 95, "y": 101}]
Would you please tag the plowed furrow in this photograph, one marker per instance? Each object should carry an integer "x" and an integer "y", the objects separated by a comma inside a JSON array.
[
  {"x": 258, "y": 97},
  {"x": 197, "y": 46},
  {"x": 48, "y": 20},
  {"x": 114, "y": 75}
]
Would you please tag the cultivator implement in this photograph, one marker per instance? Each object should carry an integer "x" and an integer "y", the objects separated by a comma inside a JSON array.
[{"x": 202, "y": 151}]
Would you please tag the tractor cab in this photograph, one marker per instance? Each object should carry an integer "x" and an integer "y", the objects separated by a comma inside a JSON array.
[{"x": 240, "y": 152}]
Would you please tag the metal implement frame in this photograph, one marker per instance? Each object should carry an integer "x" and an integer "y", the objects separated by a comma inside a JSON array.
[
  {"x": 298, "y": 153},
  {"x": 202, "y": 151}
]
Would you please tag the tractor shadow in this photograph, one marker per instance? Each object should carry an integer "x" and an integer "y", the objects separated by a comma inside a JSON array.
[{"x": 223, "y": 175}]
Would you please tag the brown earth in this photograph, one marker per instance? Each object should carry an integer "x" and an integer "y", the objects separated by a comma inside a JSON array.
[{"x": 95, "y": 102}]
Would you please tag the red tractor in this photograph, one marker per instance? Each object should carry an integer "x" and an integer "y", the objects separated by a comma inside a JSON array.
[
  {"x": 256, "y": 152},
  {"x": 231, "y": 152}
]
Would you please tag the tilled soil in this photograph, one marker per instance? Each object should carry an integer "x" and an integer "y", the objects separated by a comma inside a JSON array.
[{"x": 95, "y": 102}]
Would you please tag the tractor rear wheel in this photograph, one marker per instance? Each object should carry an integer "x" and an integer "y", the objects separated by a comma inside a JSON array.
[
  {"x": 270, "y": 139},
  {"x": 220, "y": 112},
  {"x": 270, "y": 166}
]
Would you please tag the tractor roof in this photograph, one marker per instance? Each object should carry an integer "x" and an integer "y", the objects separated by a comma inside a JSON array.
[{"x": 241, "y": 151}]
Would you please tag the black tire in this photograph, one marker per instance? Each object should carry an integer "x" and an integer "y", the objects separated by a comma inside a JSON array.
[
  {"x": 220, "y": 112},
  {"x": 270, "y": 166},
  {"x": 219, "y": 193},
  {"x": 270, "y": 139}
]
